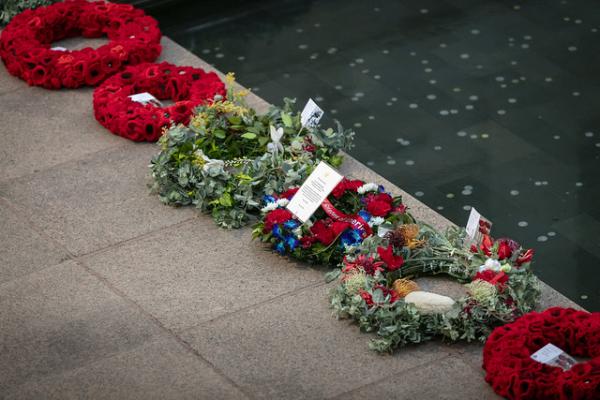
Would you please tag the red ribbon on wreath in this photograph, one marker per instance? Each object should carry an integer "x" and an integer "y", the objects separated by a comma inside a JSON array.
[{"x": 355, "y": 220}]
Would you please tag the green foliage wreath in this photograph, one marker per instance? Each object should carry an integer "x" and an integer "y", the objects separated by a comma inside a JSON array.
[
  {"x": 229, "y": 157},
  {"x": 499, "y": 286}
]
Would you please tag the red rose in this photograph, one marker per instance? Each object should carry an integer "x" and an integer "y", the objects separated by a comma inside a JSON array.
[
  {"x": 379, "y": 208},
  {"x": 277, "y": 216},
  {"x": 387, "y": 256}
]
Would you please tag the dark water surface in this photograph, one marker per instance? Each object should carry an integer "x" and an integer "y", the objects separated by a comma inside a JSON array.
[{"x": 486, "y": 104}]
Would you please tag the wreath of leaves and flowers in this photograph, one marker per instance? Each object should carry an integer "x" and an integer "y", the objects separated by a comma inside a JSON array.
[
  {"x": 353, "y": 211},
  {"x": 188, "y": 87},
  {"x": 375, "y": 287},
  {"x": 25, "y": 44},
  {"x": 228, "y": 157},
  {"x": 512, "y": 372}
]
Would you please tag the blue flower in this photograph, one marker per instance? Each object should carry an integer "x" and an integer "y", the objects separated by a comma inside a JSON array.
[
  {"x": 381, "y": 189},
  {"x": 277, "y": 231},
  {"x": 364, "y": 215},
  {"x": 269, "y": 199},
  {"x": 280, "y": 248},
  {"x": 351, "y": 237},
  {"x": 291, "y": 242},
  {"x": 291, "y": 224}
]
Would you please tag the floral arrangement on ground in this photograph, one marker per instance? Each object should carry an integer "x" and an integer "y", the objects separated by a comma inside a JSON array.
[
  {"x": 377, "y": 291},
  {"x": 187, "y": 87},
  {"x": 229, "y": 157},
  {"x": 25, "y": 44},
  {"x": 351, "y": 213}
]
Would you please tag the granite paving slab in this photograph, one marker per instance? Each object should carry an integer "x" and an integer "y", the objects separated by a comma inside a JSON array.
[
  {"x": 195, "y": 272},
  {"x": 61, "y": 318},
  {"x": 293, "y": 348},
  {"x": 42, "y": 128},
  {"x": 159, "y": 369},
  {"x": 23, "y": 249},
  {"x": 438, "y": 380},
  {"x": 93, "y": 203}
]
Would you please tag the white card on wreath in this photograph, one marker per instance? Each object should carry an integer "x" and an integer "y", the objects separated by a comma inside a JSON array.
[
  {"x": 145, "y": 98},
  {"x": 477, "y": 226},
  {"x": 555, "y": 356},
  {"x": 314, "y": 191},
  {"x": 473, "y": 223},
  {"x": 311, "y": 115},
  {"x": 58, "y": 48}
]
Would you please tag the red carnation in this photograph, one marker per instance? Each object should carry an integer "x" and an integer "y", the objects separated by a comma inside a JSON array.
[
  {"x": 387, "y": 256},
  {"x": 288, "y": 194},
  {"x": 366, "y": 296},
  {"x": 277, "y": 216},
  {"x": 346, "y": 185},
  {"x": 323, "y": 233}
]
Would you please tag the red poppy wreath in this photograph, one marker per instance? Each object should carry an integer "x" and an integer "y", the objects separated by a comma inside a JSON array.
[
  {"x": 187, "y": 87},
  {"x": 26, "y": 43},
  {"x": 514, "y": 374}
]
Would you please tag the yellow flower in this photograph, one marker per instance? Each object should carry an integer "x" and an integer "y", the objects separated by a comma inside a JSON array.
[
  {"x": 410, "y": 232},
  {"x": 230, "y": 78}
]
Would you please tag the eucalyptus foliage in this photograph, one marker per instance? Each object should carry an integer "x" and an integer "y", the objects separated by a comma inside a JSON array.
[
  {"x": 229, "y": 157},
  {"x": 472, "y": 317}
]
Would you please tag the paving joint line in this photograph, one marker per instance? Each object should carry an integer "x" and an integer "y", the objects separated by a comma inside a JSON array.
[
  {"x": 255, "y": 305},
  {"x": 124, "y": 242},
  {"x": 160, "y": 325},
  {"x": 405, "y": 372},
  {"x": 60, "y": 164}
]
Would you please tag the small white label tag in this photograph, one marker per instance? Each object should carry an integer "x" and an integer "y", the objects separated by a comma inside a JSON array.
[
  {"x": 477, "y": 226},
  {"x": 145, "y": 98},
  {"x": 58, "y": 48},
  {"x": 313, "y": 191},
  {"x": 473, "y": 223},
  {"x": 311, "y": 115},
  {"x": 552, "y": 355}
]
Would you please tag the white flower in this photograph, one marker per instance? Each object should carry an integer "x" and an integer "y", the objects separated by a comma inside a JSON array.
[
  {"x": 275, "y": 145},
  {"x": 269, "y": 207},
  {"x": 282, "y": 202},
  {"x": 375, "y": 221},
  {"x": 492, "y": 264},
  {"x": 368, "y": 187},
  {"x": 209, "y": 162},
  {"x": 298, "y": 232}
]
